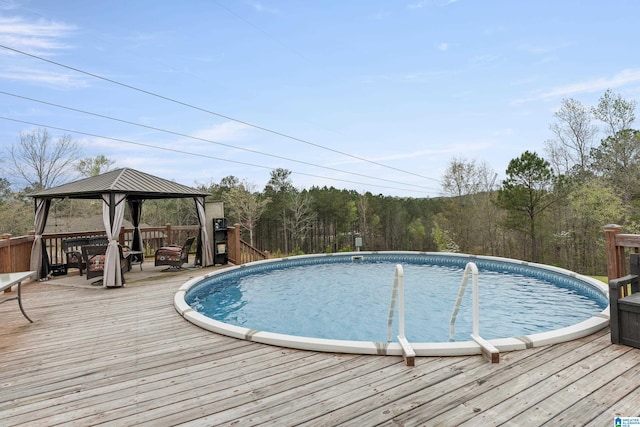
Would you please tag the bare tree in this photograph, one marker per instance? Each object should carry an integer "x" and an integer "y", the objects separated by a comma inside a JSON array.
[
  {"x": 246, "y": 205},
  {"x": 302, "y": 216},
  {"x": 469, "y": 186},
  {"x": 368, "y": 220},
  {"x": 574, "y": 137},
  {"x": 41, "y": 162},
  {"x": 464, "y": 177}
]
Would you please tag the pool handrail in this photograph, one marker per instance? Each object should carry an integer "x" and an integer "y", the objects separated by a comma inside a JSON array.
[
  {"x": 398, "y": 290},
  {"x": 488, "y": 349}
]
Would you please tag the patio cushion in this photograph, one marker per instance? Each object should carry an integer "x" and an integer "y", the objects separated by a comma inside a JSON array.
[{"x": 169, "y": 253}]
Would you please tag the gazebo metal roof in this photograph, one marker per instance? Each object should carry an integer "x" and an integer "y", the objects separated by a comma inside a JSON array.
[{"x": 135, "y": 184}]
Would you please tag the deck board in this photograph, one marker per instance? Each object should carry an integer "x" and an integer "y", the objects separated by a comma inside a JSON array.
[{"x": 125, "y": 357}]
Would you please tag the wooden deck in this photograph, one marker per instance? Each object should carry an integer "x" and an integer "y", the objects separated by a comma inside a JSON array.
[{"x": 124, "y": 357}]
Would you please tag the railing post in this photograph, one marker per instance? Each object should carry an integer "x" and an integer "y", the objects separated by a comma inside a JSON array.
[
  {"x": 8, "y": 268},
  {"x": 236, "y": 244},
  {"x": 616, "y": 266},
  {"x": 169, "y": 239}
]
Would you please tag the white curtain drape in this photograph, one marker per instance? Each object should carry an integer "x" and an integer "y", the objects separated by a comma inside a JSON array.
[
  {"x": 207, "y": 254},
  {"x": 112, "y": 216},
  {"x": 39, "y": 259}
]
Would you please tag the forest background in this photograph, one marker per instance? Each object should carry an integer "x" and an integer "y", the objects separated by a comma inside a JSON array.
[{"x": 550, "y": 208}]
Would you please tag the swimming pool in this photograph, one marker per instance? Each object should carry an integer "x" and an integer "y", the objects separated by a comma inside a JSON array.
[{"x": 367, "y": 303}]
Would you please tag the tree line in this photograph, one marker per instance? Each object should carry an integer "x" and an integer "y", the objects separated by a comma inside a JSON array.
[{"x": 549, "y": 208}]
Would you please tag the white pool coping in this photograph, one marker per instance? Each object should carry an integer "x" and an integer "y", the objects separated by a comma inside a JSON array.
[{"x": 459, "y": 348}]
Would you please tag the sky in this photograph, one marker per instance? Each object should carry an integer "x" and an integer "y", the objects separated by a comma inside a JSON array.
[{"x": 366, "y": 95}]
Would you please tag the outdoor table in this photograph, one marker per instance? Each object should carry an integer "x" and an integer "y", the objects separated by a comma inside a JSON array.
[{"x": 7, "y": 280}]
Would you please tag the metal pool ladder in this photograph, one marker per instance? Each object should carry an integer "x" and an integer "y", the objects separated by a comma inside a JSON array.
[
  {"x": 488, "y": 350},
  {"x": 408, "y": 353}
]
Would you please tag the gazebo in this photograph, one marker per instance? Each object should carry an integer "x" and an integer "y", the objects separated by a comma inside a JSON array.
[{"x": 114, "y": 188}]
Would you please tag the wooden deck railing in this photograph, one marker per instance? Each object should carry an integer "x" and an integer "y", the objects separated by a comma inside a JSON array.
[
  {"x": 617, "y": 247},
  {"x": 15, "y": 252},
  {"x": 240, "y": 252}
]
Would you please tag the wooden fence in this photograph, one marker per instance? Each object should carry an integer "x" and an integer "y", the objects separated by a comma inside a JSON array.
[{"x": 15, "y": 252}]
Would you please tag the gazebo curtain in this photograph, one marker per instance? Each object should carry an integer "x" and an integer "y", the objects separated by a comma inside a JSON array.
[
  {"x": 204, "y": 245},
  {"x": 112, "y": 216},
  {"x": 135, "y": 208},
  {"x": 39, "y": 259}
]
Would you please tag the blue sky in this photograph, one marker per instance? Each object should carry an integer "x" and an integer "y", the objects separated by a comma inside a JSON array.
[{"x": 369, "y": 95}]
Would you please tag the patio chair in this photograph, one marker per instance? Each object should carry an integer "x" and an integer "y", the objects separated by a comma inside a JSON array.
[
  {"x": 173, "y": 255},
  {"x": 72, "y": 248},
  {"x": 94, "y": 257}
]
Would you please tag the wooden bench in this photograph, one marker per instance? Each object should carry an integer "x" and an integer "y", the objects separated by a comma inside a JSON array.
[
  {"x": 624, "y": 306},
  {"x": 7, "y": 280}
]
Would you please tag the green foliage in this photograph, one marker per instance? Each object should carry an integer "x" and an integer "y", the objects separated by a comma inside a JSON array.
[
  {"x": 443, "y": 240},
  {"x": 5, "y": 190},
  {"x": 616, "y": 112},
  {"x": 617, "y": 159},
  {"x": 525, "y": 194},
  {"x": 92, "y": 166},
  {"x": 591, "y": 205},
  {"x": 16, "y": 217},
  {"x": 297, "y": 251},
  {"x": 595, "y": 203}
]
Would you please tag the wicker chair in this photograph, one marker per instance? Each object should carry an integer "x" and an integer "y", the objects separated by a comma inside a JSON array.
[{"x": 173, "y": 255}]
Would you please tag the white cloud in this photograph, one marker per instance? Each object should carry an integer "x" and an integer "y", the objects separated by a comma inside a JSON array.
[
  {"x": 443, "y": 46},
  {"x": 228, "y": 131},
  {"x": 40, "y": 37},
  {"x": 599, "y": 84},
  {"x": 43, "y": 77},
  {"x": 260, "y": 7},
  {"x": 425, "y": 3},
  {"x": 504, "y": 132},
  {"x": 418, "y": 4},
  {"x": 408, "y": 77},
  {"x": 486, "y": 59},
  {"x": 542, "y": 50}
]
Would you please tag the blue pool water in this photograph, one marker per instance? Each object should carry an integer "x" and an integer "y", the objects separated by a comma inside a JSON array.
[{"x": 337, "y": 298}]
